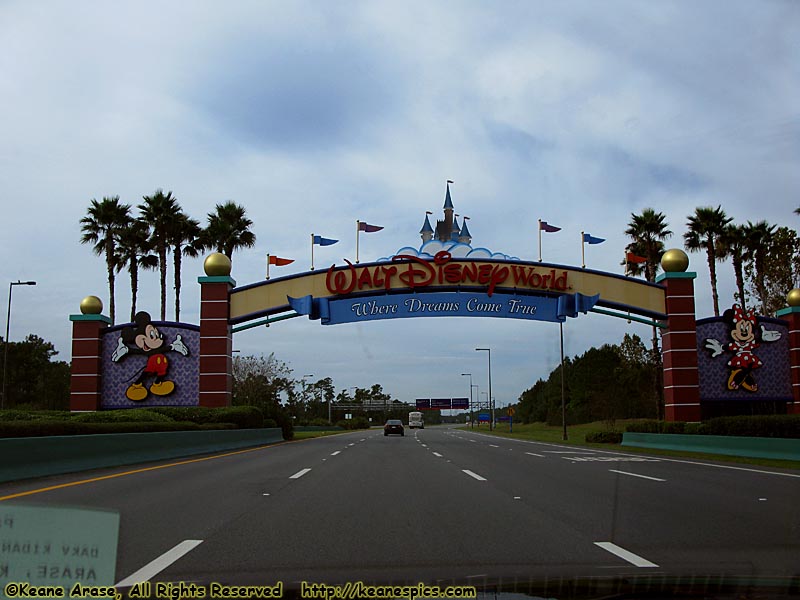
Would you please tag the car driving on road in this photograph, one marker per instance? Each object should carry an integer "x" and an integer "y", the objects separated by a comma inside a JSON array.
[{"x": 393, "y": 426}]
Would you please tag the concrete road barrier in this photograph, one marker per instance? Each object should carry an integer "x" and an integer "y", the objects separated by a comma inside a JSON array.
[
  {"x": 752, "y": 447},
  {"x": 24, "y": 458}
]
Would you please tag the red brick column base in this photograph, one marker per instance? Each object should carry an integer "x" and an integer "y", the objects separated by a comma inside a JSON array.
[
  {"x": 792, "y": 317},
  {"x": 679, "y": 345},
  {"x": 86, "y": 370},
  {"x": 216, "y": 342}
]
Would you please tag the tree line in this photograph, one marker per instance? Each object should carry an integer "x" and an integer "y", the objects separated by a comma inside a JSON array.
[
  {"x": 35, "y": 379},
  {"x": 160, "y": 233},
  {"x": 267, "y": 383},
  {"x": 612, "y": 382}
]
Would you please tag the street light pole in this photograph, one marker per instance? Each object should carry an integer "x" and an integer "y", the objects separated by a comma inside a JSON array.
[
  {"x": 470, "y": 396},
  {"x": 5, "y": 341},
  {"x": 491, "y": 404}
]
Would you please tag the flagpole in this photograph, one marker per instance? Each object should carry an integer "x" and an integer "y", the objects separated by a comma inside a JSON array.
[
  {"x": 267, "y": 266},
  {"x": 583, "y": 251},
  {"x": 312, "y": 251},
  {"x": 357, "y": 230},
  {"x": 540, "y": 240}
]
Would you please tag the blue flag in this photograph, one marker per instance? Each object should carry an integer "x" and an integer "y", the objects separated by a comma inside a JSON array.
[
  {"x": 592, "y": 240},
  {"x": 569, "y": 305},
  {"x": 321, "y": 241}
]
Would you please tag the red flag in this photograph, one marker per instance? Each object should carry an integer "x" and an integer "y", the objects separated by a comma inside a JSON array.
[
  {"x": 545, "y": 226},
  {"x": 633, "y": 258},
  {"x": 280, "y": 262},
  {"x": 367, "y": 228}
]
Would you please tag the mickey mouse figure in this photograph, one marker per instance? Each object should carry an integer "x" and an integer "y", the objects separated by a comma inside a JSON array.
[
  {"x": 148, "y": 340},
  {"x": 745, "y": 339}
]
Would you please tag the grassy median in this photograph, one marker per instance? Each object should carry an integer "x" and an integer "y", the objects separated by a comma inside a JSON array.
[{"x": 576, "y": 434}]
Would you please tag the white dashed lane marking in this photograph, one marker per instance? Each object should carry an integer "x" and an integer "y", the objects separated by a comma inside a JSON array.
[
  {"x": 635, "y": 560},
  {"x": 299, "y": 474},
  {"x": 473, "y": 475},
  {"x": 636, "y": 475},
  {"x": 155, "y": 567}
]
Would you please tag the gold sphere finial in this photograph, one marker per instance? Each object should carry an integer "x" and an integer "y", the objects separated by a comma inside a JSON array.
[
  {"x": 675, "y": 261},
  {"x": 793, "y": 297},
  {"x": 217, "y": 265},
  {"x": 91, "y": 305}
]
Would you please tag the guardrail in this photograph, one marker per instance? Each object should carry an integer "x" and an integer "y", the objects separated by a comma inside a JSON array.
[
  {"x": 23, "y": 458},
  {"x": 751, "y": 447}
]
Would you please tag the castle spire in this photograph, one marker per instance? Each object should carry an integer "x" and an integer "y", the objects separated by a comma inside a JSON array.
[{"x": 427, "y": 231}]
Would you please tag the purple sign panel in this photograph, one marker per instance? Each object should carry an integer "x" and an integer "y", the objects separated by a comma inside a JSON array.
[
  {"x": 423, "y": 403},
  {"x": 443, "y": 403},
  {"x": 460, "y": 403},
  {"x": 743, "y": 357},
  {"x": 150, "y": 363}
]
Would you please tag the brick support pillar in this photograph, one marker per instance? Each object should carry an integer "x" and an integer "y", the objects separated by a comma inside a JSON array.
[
  {"x": 679, "y": 345},
  {"x": 87, "y": 370},
  {"x": 792, "y": 317},
  {"x": 216, "y": 342}
]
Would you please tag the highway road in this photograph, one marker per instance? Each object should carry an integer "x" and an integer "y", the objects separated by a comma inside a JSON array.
[{"x": 439, "y": 504}]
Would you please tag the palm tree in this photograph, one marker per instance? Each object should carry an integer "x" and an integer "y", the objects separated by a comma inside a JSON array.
[
  {"x": 228, "y": 229},
  {"x": 706, "y": 226},
  {"x": 159, "y": 211},
  {"x": 757, "y": 248},
  {"x": 734, "y": 244},
  {"x": 648, "y": 232},
  {"x": 102, "y": 226},
  {"x": 133, "y": 251},
  {"x": 184, "y": 238}
]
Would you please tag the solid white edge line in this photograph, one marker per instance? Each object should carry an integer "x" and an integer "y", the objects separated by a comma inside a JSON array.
[
  {"x": 636, "y": 475},
  {"x": 473, "y": 475},
  {"x": 300, "y": 473},
  {"x": 656, "y": 456},
  {"x": 155, "y": 567},
  {"x": 636, "y": 561}
]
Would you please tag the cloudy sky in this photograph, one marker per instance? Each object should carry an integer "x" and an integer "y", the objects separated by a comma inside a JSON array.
[{"x": 315, "y": 114}]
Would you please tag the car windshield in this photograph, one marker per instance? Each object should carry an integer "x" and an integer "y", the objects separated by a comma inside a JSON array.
[{"x": 559, "y": 348}]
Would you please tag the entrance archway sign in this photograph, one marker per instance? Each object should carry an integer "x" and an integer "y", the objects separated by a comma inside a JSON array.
[
  {"x": 412, "y": 286},
  {"x": 409, "y": 286}
]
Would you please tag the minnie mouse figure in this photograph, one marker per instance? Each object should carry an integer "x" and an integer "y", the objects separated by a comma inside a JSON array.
[
  {"x": 745, "y": 338},
  {"x": 148, "y": 340}
]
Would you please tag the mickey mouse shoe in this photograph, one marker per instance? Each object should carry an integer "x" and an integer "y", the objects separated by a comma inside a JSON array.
[
  {"x": 136, "y": 392},
  {"x": 162, "y": 388}
]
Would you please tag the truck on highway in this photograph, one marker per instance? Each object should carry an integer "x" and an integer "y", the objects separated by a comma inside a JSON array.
[{"x": 415, "y": 420}]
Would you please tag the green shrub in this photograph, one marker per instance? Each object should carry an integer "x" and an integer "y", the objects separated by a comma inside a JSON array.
[
  {"x": 133, "y": 415},
  {"x": 604, "y": 437},
  {"x": 270, "y": 423},
  {"x": 245, "y": 417},
  {"x": 694, "y": 429},
  {"x": 16, "y": 415},
  {"x": 648, "y": 426},
  {"x": 673, "y": 427},
  {"x": 357, "y": 423},
  {"x": 778, "y": 426},
  {"x": 47, "y": 428}
]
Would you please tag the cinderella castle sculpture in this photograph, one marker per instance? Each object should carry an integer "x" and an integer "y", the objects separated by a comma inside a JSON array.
[{"x": 447, "y": 230}]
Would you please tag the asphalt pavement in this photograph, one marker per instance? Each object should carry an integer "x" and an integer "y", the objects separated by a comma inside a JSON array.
[{"x": 437, "y": 505}]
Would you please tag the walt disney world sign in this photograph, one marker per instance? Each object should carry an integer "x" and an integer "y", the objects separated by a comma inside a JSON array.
[{"x": 410, "y": 286}]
